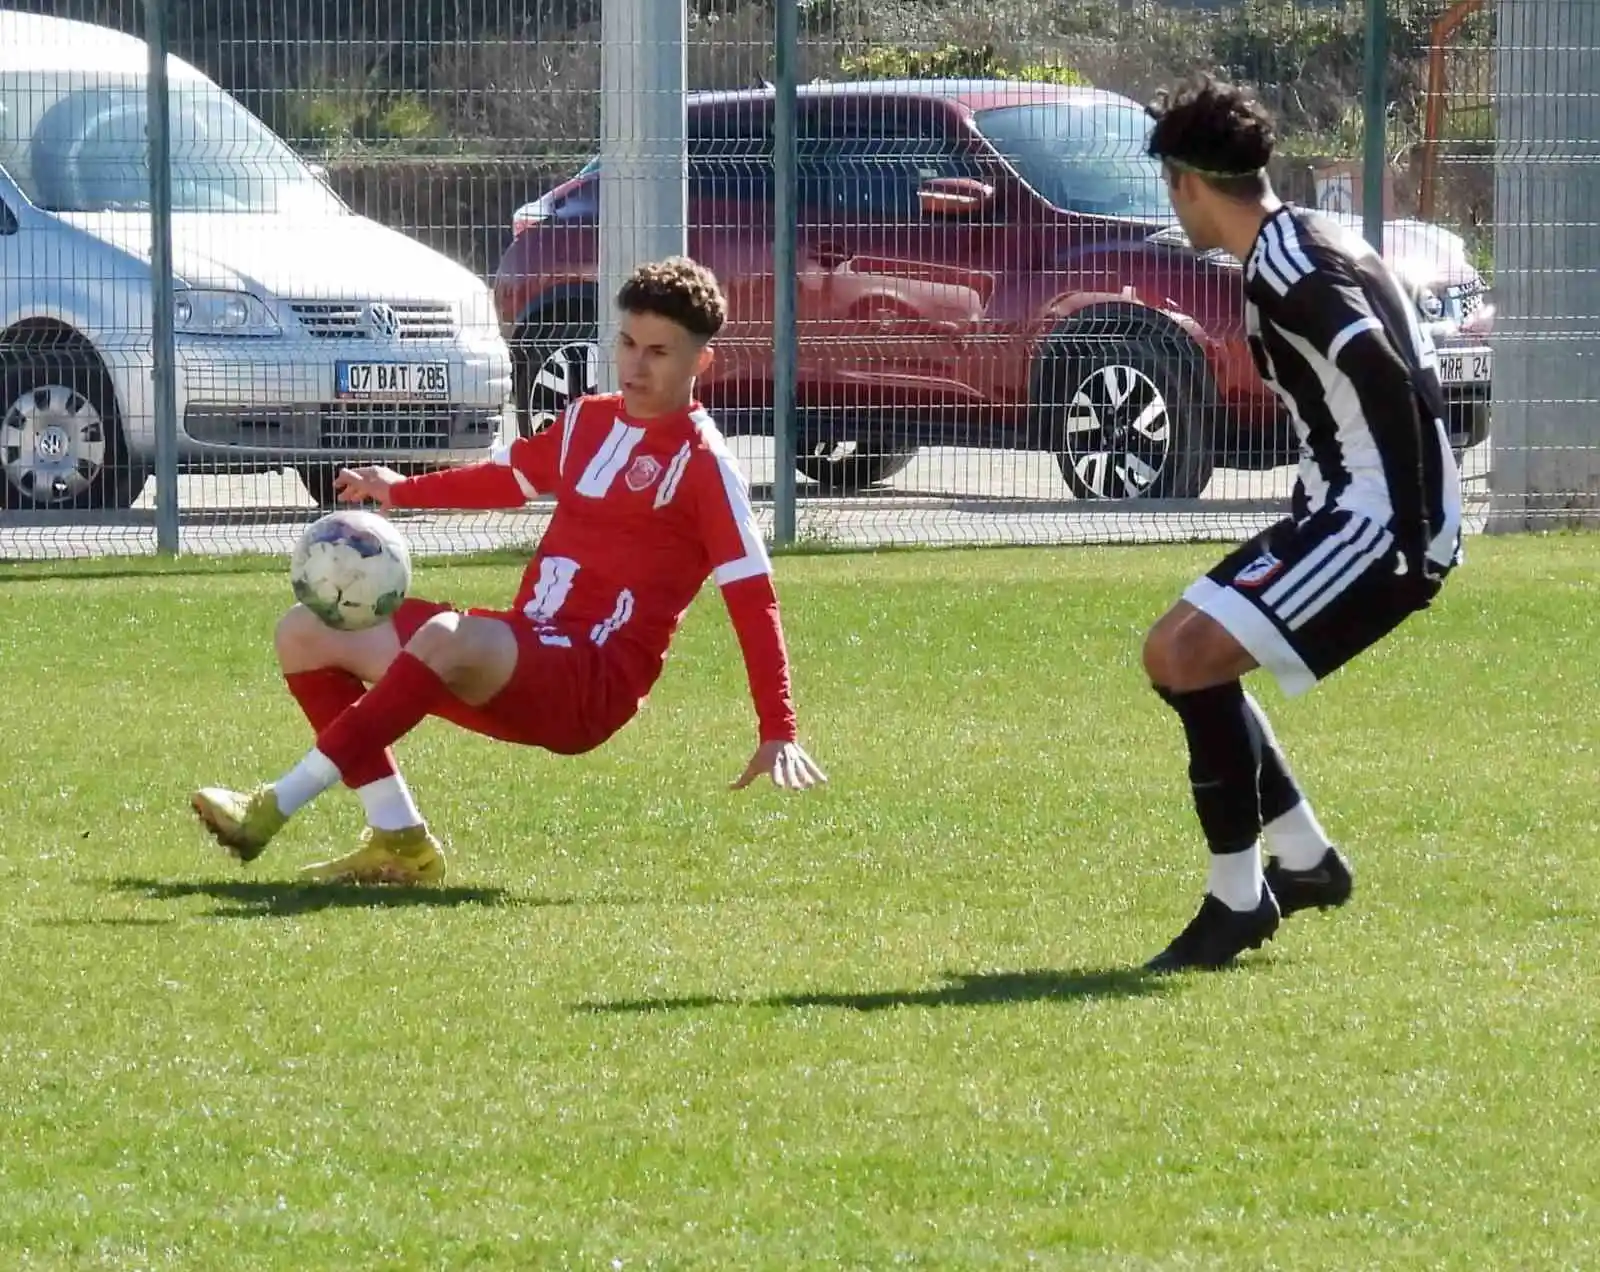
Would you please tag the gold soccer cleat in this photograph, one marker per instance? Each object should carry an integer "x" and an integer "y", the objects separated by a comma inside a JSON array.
[
  {"x": 242, "y": 823},
  {"x": 407, "y": 858}
]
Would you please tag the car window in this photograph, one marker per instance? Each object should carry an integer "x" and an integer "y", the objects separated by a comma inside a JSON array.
[
  {"x": 731, "y": 168},
  {"x": 876, "y": 178},
  {"x": 1081, "y": 157},
  {"x": 8, "y": 219},
  {"x": 74, "y": 144}
]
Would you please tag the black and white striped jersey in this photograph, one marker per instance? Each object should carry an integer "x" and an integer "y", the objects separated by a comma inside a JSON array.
[{"x": 1336, "y": 337}]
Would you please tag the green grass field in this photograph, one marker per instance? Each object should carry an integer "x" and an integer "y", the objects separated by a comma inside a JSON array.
[{"x": 657, "y": 1024}]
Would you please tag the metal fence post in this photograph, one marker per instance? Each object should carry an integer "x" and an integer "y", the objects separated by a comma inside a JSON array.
[
  {"x": 1375, "y": 120},
  {"x": 643, "y": 152},
  {"x": 1545, "y": 473},
  {"x": 784, "y": 204},
  {"x": 161, "y": 281}
]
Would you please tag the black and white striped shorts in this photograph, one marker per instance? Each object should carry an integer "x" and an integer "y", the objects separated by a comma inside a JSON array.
[{"x": 1306, "y": 597}]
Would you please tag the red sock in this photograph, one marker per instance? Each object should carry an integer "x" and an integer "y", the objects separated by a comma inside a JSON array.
[
  {"x": 324, "y": 695},
  {"x": 398, "y": 703}
]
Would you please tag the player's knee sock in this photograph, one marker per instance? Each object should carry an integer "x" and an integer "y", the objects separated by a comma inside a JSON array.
[
  {"x": 1290, "y": 827},
  {"x": 389, "y": 805},
  {"x": 324, "y": 695},
  {"x": 404, "y": 697},
  {"x": 401, "y": 700},
  {"x": 1224, "y": 763}
]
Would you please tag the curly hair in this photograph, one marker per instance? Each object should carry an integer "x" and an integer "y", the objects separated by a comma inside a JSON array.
[
  {"x": 1215, "y": 130},
  {"x": 677, "y": 289}
]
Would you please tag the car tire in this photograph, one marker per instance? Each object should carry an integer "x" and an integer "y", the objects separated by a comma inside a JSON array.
[
  {"x": 843, "y": 468},
  {"x": 61, "y": 442},
  {"x": 555, "y": 356},
  {"x": 1126, "y": 413}
]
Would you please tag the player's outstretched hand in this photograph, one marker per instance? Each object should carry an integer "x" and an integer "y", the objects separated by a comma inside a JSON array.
[
  {"x": 355, "y": 485},
  {"x": 786, "y": 763}
]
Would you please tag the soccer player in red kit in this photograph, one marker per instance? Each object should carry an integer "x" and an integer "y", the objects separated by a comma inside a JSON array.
[{"x": 648, "y": 504}]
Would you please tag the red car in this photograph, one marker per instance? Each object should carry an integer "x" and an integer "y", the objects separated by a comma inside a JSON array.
[{"x": 987, "y": 264}]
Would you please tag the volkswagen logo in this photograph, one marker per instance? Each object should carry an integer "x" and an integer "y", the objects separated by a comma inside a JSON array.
[{"x": 384, "y": 321}]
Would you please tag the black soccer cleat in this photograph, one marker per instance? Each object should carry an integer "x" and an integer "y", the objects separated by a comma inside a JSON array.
[
  {"x": 1326, "y": 885},
  {"x": 1217, "y": 935}
]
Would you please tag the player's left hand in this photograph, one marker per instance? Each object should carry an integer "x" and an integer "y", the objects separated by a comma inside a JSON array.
[{"x": 786, "y": 763}]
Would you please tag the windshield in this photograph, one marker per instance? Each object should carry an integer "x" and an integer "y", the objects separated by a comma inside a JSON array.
[
  {"x": 1082, "y": 158},
  {"x": 77, "y": 144}
]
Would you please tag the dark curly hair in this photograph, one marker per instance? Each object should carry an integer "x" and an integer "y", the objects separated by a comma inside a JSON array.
[
  {"x": 680, "y": 290},
  {"x": 1217, "y": 131}
]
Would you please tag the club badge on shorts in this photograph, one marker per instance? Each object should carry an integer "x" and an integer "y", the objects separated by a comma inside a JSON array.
[{"x": 1258, "y": 571}]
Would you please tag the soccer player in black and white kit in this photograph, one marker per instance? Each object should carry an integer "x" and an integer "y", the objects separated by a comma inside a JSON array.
[{"x": 1375, "y": 524}]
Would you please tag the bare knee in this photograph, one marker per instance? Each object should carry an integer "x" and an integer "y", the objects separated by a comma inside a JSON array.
[
  {"x": 300, "y": 640},
  {"x": 438, "y": 643},
  {"x": 1187, "y": 651},
  {"x": 304, "y": 643},
  {"x": 474, "y": 656}
]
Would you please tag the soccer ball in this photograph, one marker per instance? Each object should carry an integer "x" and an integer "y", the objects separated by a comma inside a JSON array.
[{"x": 351, "y": 569}]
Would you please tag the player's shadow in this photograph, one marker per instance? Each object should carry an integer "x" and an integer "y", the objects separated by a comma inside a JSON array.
[
  {"x": 961, "y": 989},
  {"x": 266, "y": 898}
]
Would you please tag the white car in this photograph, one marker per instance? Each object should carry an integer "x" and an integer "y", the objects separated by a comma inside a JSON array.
[{"x": 307, "y": 337}]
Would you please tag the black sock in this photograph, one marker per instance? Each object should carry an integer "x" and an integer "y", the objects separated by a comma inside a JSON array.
[
  {"x": 1279, "y": 791},
  {"x": 1225, "y": 760}
]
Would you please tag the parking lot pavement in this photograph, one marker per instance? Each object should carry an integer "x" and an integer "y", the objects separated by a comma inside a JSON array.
[{"x": 946, "y": 496}]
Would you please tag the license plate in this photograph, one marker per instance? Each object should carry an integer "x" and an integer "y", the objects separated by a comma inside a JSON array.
[
  {"x": 392, "y": 381},
  {"x": 1465, "y": 366}
]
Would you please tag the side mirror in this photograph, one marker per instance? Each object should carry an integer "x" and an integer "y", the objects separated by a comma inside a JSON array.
[{"x": 954, "y": 196}]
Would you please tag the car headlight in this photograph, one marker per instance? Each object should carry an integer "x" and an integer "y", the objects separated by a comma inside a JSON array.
[
  {"x": 199, "y": 312},
  {"x": 1430, "y": 304}
]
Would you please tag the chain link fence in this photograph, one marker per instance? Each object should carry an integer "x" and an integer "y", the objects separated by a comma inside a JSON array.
[{"x": 385, "y": 227}]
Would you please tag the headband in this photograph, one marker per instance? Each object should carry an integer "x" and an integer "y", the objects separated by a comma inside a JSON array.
[{"x": 1209, "y": 172}]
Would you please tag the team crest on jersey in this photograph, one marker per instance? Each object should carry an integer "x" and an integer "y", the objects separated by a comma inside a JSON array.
[
  {"x": 642, "y": 473},
  {"x": 1258, "y": 571}
]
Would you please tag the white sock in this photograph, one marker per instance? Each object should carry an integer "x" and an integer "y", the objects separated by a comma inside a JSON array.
[
  {"x": 304, "y": 782},
  {"x": 1296, "y": 838},
  {"x": 389, "y": 804},
  {"x": 1236, "y": 878}
]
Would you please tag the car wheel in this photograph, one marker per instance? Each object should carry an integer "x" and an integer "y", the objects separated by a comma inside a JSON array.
[
  {"x": 61, "y": 444},
  {"x": 556, "y": 358},
  {"x": 1125, "y": 415},
  {"x": 843, "y": 468}
]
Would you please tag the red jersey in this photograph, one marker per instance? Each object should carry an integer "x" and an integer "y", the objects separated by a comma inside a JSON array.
[{"x": 644, "y": 513}]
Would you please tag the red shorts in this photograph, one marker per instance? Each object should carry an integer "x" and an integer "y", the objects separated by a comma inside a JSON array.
[{"x": 567, "y": 698}]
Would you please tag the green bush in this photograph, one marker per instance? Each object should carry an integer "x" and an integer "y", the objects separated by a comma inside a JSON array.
[
  {"x": 338, "y": 119},
  {"x": 950, "y": 62}
]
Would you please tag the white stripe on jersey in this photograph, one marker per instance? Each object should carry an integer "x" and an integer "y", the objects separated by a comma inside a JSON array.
[
  {"x": 1281, "y": 266},
  {"x": 1295, "y": 254},
  {"x": 755, "y": 560},
  {"x": 1350, "y": 333},
  {"x": 569, "y": 426},
  {"x": 674, "y": 475},
  {"x": 500, "y": 455},
  {"x": 1368, "y": 488},
  {"x": 1260, "y": 266},
  {"x": 609, "y": 460}
]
